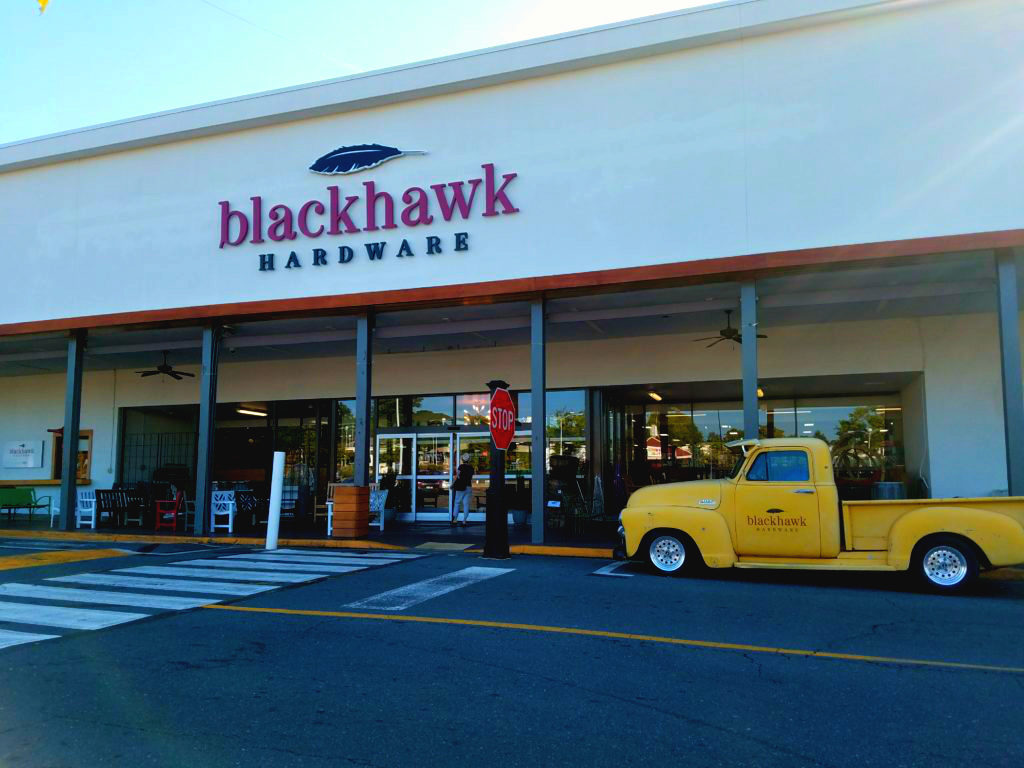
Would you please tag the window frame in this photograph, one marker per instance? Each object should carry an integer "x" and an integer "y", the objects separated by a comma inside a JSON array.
[{"x": 767, "y": 466}]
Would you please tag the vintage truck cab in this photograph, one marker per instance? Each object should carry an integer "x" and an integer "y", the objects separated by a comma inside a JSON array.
[{"x": 779, "y": 508}]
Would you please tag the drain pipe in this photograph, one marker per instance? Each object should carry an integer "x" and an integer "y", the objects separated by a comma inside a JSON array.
[{"x": 274, "y": 513}]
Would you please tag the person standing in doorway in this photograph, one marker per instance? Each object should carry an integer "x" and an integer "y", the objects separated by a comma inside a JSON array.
[{"x": 463, "y": 487}]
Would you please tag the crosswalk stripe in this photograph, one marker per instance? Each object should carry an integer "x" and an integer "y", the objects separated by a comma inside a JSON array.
[
  {"x": 272, "y": 566},
  {"x": 165, "y": 585},
  {"x": 72, "y": 595},
  {"x": 382, "y": 553},
  {"x": 217, "y": 573},
  {"x": 9, "y": 637},
  {"x": 68, "y": 618},
  {"x": 413, "y": 594},
  {"x": 313, "y": 560}
]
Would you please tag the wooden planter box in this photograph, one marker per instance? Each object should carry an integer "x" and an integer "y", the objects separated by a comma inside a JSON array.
[{"x": 351, "y": 512}]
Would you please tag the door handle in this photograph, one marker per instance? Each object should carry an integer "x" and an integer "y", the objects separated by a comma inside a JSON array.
[{"x": 803, "y": 490}]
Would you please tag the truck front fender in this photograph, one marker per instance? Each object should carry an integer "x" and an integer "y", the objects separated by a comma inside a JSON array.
[
  {"x": 999, "y": 537},
  {"x": 706, "y": 527}
]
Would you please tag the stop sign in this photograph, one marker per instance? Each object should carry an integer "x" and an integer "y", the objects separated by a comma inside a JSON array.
[{"x": 503, "y": 419}]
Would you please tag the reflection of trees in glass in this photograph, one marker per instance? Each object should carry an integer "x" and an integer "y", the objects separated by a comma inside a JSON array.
[
  {"x": 859, "y": 440},
  {"x": 565, "y": 430},
  {"x": 345, "y": 439}
]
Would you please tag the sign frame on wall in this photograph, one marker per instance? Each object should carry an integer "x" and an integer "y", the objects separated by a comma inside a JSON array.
[{"x": 23, "y": 454}]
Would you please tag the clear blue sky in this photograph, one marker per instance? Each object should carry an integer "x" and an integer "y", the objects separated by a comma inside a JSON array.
[{"x": 84, "y": 62}]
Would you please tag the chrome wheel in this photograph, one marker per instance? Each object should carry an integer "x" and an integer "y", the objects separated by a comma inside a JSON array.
[
  {"x": 667, "y": 553},
  {"x": 944, "y": 566}
]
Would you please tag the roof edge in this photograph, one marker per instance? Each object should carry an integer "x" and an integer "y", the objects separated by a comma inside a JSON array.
[{"x": 580, "y": 49}]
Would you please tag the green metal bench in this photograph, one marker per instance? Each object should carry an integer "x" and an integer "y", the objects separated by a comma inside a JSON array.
[{"x": 13, "y": 499}]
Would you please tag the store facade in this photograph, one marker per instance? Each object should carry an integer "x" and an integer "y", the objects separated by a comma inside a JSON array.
[{"x": 591, "y": 217}]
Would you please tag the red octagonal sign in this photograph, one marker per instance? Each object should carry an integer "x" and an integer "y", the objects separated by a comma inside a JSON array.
[{"x": 503, "y": 419}]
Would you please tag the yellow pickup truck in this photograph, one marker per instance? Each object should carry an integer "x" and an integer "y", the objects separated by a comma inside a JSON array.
[{"x": 779, "y": 508}]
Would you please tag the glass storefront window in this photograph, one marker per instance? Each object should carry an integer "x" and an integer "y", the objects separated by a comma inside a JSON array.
[
  {"x": 567, "y": 423},
  {"x": 866, "y": 441},
  {"x": 777, "y": 418},
  {"x": 432, "y": 411},
  {"x": 345, "y": 440},
  {"x": 473, "y": 410},
  {"x": 432, "y": 454}
]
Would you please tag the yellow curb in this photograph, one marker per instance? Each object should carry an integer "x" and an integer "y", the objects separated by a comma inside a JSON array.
[
  {"x": 540, "y": 549},
  {"x": 55, "y": 558},
  {"x": 627, "y": 636},
  {"x": 246, "y": 541}
]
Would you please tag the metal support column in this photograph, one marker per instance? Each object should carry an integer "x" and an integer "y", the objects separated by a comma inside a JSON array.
[
  {"x": 1009, "y": 355},
  {"x": 748, "y": 326},
  {"x": 538, "y": 439},
  {"x": 207, "y": 425},
  {"x": 364, "y": 375},
  {"x": 72, "y": 412}
]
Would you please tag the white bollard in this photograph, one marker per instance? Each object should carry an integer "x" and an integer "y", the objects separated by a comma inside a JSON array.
[{"x": 274, "y": 513}]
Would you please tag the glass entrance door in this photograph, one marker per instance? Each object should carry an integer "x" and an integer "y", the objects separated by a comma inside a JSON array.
[
  {"x": 475, "y": 448},
  {"x": 418, "y": 470},
  {"x": 396, "y": 473},
  {"x": 433, "y": 477}
]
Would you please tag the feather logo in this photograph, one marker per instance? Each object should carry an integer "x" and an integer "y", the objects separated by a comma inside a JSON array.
[{"x": 358, "y": 157}]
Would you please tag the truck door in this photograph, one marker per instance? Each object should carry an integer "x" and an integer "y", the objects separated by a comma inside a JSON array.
[{"x": 777, "y": 507}]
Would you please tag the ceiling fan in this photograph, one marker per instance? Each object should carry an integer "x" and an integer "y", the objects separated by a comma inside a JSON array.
[
  {"x": 166, "y": 370},
  {"x": 728, "y": 333}
]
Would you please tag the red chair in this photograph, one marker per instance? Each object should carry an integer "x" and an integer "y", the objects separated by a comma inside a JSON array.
[{"x": 167, "y": 508}]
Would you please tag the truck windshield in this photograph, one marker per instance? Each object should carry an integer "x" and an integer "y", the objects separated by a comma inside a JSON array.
[{"x": 737, "y": 466}]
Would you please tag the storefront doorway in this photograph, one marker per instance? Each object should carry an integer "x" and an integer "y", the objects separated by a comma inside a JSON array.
[{"x": 418, "y": 469}]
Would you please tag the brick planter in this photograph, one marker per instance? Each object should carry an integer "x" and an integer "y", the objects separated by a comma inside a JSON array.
[{"x": 351, "y": 512}]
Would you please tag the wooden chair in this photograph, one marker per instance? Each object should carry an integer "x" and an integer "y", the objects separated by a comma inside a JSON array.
[
  {"x": 166, "y": 508},
  {"x": 135, "y": 504},
  {"x": 85, "y": 508},
  {"x": 326, "y": 510},
  {"x": 106, "y": 506}
]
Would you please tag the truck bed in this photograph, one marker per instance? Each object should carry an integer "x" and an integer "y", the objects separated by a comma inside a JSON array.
[{"x": 867, "y": 523}]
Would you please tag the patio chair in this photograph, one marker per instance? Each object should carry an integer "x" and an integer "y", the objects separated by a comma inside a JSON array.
[
  {"x": 135, "y": 505},
  {"x": 13, "y": 499},
  {"x": 85, "y": 508},
  {"x": 327, "y": 507},
  {"x": 222, "y": 511},
  {"x": 167, "y": 508}
]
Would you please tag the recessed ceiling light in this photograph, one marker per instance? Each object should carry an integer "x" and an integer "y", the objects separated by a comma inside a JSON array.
[
  {"x": 248, "y": 412},
  {"x": 655, "y": 396}
]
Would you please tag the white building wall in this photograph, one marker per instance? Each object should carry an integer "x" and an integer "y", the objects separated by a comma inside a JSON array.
[
  {"x": 898, "y": 122},
  {"x": 960, "y": 447}
]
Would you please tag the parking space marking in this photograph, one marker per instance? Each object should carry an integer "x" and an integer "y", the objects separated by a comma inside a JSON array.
[
  {"x": 413, "y": 594},
  {"x": 609, "y": 570}
]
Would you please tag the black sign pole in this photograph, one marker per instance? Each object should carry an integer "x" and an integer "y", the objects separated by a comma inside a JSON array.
[{"x": 496, "y": 542}]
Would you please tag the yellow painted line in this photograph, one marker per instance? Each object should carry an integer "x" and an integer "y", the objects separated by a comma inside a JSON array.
[
  {"x": 58, "y": 557},
  {"x": 247, "y": 541},
  {"x": 625, "y": 636}
]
